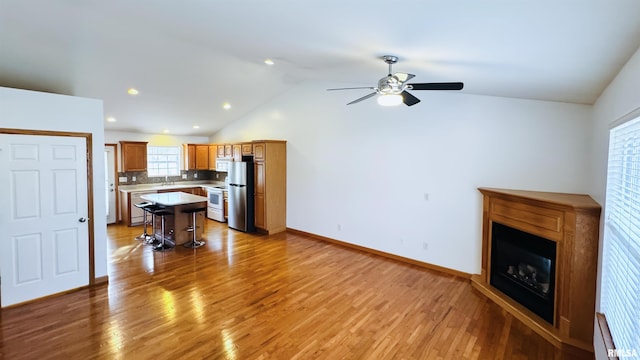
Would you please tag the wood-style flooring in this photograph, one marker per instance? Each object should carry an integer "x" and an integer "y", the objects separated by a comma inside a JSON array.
[{"x": 259, "y": 297}]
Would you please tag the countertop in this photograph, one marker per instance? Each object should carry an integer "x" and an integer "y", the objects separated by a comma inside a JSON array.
[
  {"x": 174, "y": 198},
  {"x": 176, "y": 185}
]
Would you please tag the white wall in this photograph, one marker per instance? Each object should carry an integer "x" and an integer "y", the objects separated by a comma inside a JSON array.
[
  {"x": 367, "y": 168},
  {"x": 114, "y": 137},
  {"x": 30, "y": 110}
]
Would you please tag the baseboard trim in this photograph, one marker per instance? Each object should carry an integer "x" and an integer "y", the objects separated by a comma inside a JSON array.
[
  {"x": 403, "y": 259},
  {"x": 101, "y": 280}
]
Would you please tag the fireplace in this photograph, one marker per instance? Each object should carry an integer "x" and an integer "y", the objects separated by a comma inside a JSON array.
[
  {"x": 539, "y": 257},
  {"x": 523, "y": 267}
]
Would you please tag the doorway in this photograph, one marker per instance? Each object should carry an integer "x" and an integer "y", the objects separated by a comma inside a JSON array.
[{"x": 111, "y": 185}]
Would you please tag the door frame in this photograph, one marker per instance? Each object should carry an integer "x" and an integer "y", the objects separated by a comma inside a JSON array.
[
  {"x": 115, "y": 171},
  {"x": 89, "y": 143}
]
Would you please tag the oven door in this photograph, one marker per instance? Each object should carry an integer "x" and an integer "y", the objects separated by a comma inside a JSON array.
[{"x": 215, "y": 204}]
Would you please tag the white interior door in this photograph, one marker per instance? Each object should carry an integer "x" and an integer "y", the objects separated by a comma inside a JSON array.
[
  {"x": 110, "y": 183},
  {"x": 44, "y": 240}
]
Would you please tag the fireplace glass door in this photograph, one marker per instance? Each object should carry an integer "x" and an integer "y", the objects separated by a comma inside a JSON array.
[{"x": 523, "y": 267}]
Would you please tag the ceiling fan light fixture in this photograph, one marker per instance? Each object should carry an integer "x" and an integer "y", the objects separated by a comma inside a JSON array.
[{"x": 390, "y": 100}]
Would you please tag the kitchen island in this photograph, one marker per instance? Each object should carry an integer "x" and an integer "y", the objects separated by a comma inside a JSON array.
[{"x": 176, "y": 225}]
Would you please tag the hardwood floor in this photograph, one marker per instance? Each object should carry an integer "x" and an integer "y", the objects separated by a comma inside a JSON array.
[{"x": 259, "y": 297}]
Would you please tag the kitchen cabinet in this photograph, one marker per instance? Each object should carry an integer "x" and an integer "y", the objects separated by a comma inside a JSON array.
[
  {"x": 228, "y": 150},
  {"x": 220, "y": 150},
  {"x": 270, "y": 198},
  {"x": 237, "y": 152},
  {"x": 189, "y": 156},
  {"x": 131, "y": 215},
  {"x": 134, "y": 155},
  {"x": 192, "y": 190},
  {"x": 196, "y": 156},
  {"x": 226, "y": 205},
  {"x": 247, "y": 149},
  {"x": 258, "y": 151},
  {"x": 202, "y": 157},
  {"x": 213, "y": 155}
]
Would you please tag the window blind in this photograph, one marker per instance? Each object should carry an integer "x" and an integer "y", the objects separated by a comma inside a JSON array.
[{"x": 620, "y": 290}]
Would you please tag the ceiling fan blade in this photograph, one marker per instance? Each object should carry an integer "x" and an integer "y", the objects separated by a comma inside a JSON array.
[
  {"x": 404, "y": 76},
  {"x": 409, "y": 99},
  {"x": 437, "y": 86},
  {"x": 362, "y": 98},
  {"x": 353, "y": 88}
]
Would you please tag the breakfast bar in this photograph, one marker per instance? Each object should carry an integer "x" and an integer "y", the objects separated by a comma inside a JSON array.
[{"x": 179, "y": 203}]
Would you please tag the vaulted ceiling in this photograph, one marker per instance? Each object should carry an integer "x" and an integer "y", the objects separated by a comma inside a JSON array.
[{"x": 187, "y": 58}]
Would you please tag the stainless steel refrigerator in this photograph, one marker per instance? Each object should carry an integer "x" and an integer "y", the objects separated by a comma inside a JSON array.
[{"x": 241, "y": 191}]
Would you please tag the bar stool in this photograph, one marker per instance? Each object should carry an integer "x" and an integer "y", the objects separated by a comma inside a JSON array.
[
  {"x": 194, "y": 244},
  {"x": 151, "y": 209},
  {"x": 143, "y": 206},
  {"x": 162, "y": 212}
]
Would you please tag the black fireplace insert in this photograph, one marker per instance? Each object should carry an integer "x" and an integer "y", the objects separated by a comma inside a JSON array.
[{"x": 523, "y": 267}]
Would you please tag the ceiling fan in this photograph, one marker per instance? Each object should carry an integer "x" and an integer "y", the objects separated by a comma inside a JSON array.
[{"x": 393, "y": 88}]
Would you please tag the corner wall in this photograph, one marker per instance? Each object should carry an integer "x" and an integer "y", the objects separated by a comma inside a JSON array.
[
  {"x": 404, "y": 180},
  {"x": 620, "y": 99}
]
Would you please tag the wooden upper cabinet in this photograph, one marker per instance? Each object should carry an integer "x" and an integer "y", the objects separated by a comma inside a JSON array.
[
  {"x": 202, "y": 157},
  {"x": 196, "y": 156},
  {"x": 247, "y": 149},
  {"x": 134, "y": 155},
  {"x": 213, "y": 155},
  {"x": 259, "y": 153},
  {"x": 189, "y": 156},
  {"x": 237, "y": 152}
]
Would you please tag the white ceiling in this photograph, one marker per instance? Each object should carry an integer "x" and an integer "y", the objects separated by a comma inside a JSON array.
[{"x": 188, "y": 57}]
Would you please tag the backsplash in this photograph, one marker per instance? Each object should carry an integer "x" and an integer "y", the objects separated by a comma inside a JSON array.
[{"x": 191, "y": 175}]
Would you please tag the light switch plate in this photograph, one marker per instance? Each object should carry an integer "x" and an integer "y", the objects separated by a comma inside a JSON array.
[
  {"x": 184, "y": 176},
  {"x": 122, "y": 179}
]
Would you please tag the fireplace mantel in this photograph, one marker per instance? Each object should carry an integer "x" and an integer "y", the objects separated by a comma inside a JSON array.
[{"x": 571, "y": 221}]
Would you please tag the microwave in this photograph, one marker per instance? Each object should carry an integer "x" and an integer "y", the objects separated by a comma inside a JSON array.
[{"x": 222, "y": 164}]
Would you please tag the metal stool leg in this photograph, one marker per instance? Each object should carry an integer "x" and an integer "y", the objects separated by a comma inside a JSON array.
[
  {"x": 194, "y": 243},
  {"x": 163, "y": 245},
  {"x": 144, "y": 235},
  {"x": 151, "y": 239}
]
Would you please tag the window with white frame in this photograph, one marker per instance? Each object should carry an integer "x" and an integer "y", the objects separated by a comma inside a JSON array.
[
  {"x": 163, "y": 161},
  {"x": 620, "y": 290}
]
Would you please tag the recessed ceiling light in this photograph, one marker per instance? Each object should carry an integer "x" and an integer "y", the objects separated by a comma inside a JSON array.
[
  {"x": 132, "y": 91},
  {"x": 268, "y": 61},
  {"x": 166, "y": 131},
  {"x": 226, "y": 106},
  {"x": 111, "y": 119},
  {"x": 196, "y": 126}
]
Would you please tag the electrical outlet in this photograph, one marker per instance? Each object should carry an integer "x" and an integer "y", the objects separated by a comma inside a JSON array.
[
  {"x": 122, "y": 179},
  {"x": 195, "y": 175},
  {"x": 184, "y": 176},
  {"x": 133, "y": 178}
]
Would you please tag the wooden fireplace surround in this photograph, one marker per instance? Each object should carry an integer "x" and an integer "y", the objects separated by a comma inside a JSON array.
[{"x": 571, "y": 221}]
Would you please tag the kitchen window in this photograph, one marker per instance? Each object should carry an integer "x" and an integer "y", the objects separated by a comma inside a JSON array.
[
  {"x": 163, "y": 161},
  {"x": 620, "y": 288}
]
